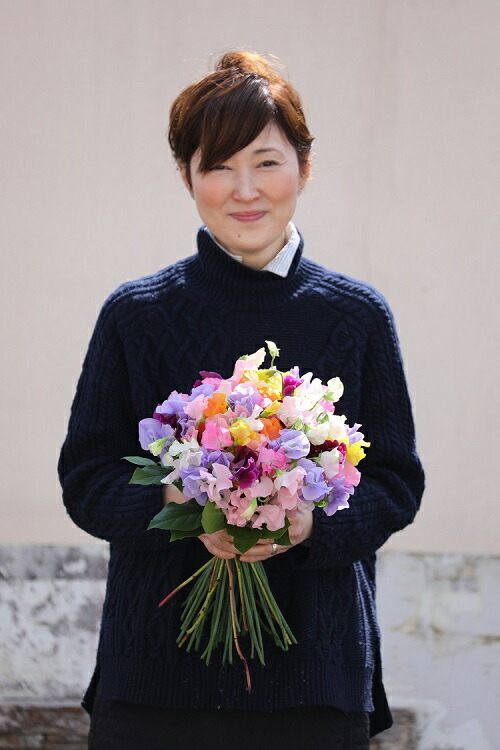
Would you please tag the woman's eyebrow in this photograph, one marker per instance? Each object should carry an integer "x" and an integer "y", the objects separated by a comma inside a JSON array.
[{"x": 266, "y": 150}]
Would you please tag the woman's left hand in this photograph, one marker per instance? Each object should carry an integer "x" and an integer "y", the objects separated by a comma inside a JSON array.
[{"x": 300, "y": 528}]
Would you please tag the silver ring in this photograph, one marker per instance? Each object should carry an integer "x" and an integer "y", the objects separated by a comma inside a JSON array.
[{"x": 275, "y": 548}]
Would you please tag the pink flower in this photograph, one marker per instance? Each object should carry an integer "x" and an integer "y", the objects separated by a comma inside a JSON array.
[
  {"x": 238, "y": 503},
  {"x": 286, "y": 500},
  {"x": 350, "y": 473},
  {"x": 216, "y": 435},
  {"x": 270, "y": 460},
  {"x": 213, "y": 483},
  {"x": 194, "y": 409},
  {"x": 272, "y": 515},
  {"x": 263, "y": 488},
  {"x": 291, "y": 480}
]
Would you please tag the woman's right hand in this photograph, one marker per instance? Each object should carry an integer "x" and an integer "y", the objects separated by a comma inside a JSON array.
[{"x": 219, "y": 543}]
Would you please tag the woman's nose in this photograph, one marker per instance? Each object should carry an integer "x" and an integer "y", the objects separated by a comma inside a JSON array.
[{"x": 245, "y": 187}]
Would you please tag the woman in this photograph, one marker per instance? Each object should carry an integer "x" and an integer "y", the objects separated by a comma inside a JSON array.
[{"x": 243, "y": 148}]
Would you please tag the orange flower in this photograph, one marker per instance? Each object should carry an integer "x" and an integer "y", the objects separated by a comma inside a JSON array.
[
  {"x": 216, "y": 404},
  {"x": 272, "y": 427}
]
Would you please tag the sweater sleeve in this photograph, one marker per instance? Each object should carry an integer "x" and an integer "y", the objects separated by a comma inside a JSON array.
[
  {"x": 392, "y": 480},
  {"x": 103, "y": 427}
]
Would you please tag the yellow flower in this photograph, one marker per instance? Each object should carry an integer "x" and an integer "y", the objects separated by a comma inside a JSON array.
[
  {"x": 271, "y": 409},
  {"x": 241, "y": 432},
  {"x": 355, "y": 452}
]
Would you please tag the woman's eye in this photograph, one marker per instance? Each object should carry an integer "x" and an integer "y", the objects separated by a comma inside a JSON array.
[
  {"x": 217, "y": 167},
  {"x": 269, "y": 163}
]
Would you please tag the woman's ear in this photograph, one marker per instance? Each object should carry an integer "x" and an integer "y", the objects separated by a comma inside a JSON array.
[
  {"x": 185, "y": 178},
  {"x": 305, "y": 173}
]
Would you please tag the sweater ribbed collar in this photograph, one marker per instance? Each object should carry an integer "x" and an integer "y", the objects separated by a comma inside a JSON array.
[{"x": 217, "y": 275}]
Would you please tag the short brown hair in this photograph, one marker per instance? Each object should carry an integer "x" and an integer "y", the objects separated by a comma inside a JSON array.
[{"x": 227, "y": 109}]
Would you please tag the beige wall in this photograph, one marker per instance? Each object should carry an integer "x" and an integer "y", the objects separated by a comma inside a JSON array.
[{"x": 403, "y": 98}]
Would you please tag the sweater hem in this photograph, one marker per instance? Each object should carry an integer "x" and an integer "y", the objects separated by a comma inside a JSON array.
[{"x": 298, "y": 682}]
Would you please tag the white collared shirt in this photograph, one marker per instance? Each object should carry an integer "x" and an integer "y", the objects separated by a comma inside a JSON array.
[{"x": 280, "y": 264}]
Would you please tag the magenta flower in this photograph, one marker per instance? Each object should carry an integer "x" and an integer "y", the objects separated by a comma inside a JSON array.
[
  {"x": 247, "y": 475},
  {"x": 290, "y": 384}
]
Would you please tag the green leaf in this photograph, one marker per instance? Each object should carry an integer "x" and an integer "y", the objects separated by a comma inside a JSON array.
[
  {"x": 178, "y": 517},
  {"x": 139, "y": 460},
  {"x": 280, "y": 536},
  {"x": 244, "y": 537},
  {"x": 283, "y": 539},
  {"x": 150, "y": 474},
  {"x": 174, "y": 535},
  {"x": 213, "y": 518}
]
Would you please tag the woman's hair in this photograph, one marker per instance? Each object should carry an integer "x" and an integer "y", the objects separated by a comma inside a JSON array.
[{"x": 227, "y": 109}]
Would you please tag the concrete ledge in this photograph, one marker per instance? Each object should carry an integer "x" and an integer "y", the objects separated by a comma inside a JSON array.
[{"x": 58, "y": 726}]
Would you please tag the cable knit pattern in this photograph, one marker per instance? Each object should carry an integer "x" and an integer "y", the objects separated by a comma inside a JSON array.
[{"x": 154, "y": 335}]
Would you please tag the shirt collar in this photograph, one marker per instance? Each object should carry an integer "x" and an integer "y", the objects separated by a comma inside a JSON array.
[{"x": 280, "y": 264}]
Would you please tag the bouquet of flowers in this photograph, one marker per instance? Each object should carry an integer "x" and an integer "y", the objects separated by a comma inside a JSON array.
[{"x": 249, "y": 453}]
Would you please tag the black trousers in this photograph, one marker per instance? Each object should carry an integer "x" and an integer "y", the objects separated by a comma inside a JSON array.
[{"x": 116, "y": 725}]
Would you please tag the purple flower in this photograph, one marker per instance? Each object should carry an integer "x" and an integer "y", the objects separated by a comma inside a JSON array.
[
  {"x": 339, "y": 492},
  {"x": 242, "y": 455},
  {"x": 247, "y": 475},
  {"x": 293, "y": 443},
  {"x": 354, "y": 435},
  {"x": 290, "y": 384},
  {"x": 205, "y": 389},
  {"x": 173, "y": 406},
  {"x": 215, "y": 457},
  {"x": 151, "y": 430},
  {"x": 247, "y": 397},
  {"x": 314, "y": 488},
  {"x": 191, "y": 480},
  {"x": 205, "y": 374}
]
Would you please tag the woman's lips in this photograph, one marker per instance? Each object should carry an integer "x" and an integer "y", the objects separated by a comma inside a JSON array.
[{"x": 249, "y": 215}]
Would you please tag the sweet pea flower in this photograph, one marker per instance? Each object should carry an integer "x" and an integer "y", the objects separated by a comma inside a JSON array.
[
  {"x": 195, "y": 408},
  {"x": 214, "y": 481},
  {"x": 314, "y": 487},
  {"x": 350, "y": 473},
  {"x": 247, "y": 396},
  {"x": 292, "y": 480},
  {"x": 173, "y": 405},
  {"x": 191, "y": 481},
  {"x": 151, "y": 430},
  {"x": 330, "y": 462},
  {"x": 338, "y": 428},
  {"x": 269, "y": 460},
  {"x": 288, "y": 411},
  {"x": 272, "y": 515},
  {"x": 286, "y": 500},
  {"x": 337, "y": 499},
  {"x": 239, "y": 502},
  {"x": 290, "y": 383},
  {"x": 318, "y": 433},
  {"x": 294, "y": 443},
  {"x": 355, "y": 452},
  {"x": 216, "y": 434},
  {"x": 263, "y": 488},
  {"x": 247, "y": 474},
  {"x": 250, "y": 362}
]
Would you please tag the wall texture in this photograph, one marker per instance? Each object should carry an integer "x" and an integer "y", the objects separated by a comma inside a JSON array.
[
  {"x": 438, "y": 615},
  {"x": 402, "y": 97}
]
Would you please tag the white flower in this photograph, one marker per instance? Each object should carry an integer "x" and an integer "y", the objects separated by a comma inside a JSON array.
[{"x": 329, "y": 462}]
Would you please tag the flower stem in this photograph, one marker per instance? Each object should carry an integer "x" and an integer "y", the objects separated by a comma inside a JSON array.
[
  {"x": 185, "y": 583},
  {"x": 235, "y": 634}
]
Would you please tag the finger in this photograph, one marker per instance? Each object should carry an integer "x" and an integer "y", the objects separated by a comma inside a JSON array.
[
  {"x": 255, "y": 555},
  {"x": 215, "y": 550}
]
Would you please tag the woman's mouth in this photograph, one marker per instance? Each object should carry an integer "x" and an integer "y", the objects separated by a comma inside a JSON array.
[{"x": 248, "y": 215}]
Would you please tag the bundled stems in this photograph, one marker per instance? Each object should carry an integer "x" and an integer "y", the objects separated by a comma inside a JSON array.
[{"x": 234, "y": 599}]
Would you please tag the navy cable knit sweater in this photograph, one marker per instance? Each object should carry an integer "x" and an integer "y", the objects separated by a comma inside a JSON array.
[{"x": 154, "y": 335}]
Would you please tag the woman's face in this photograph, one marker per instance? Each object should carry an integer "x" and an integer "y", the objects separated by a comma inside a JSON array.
[{"x": 248, "y": 200}]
